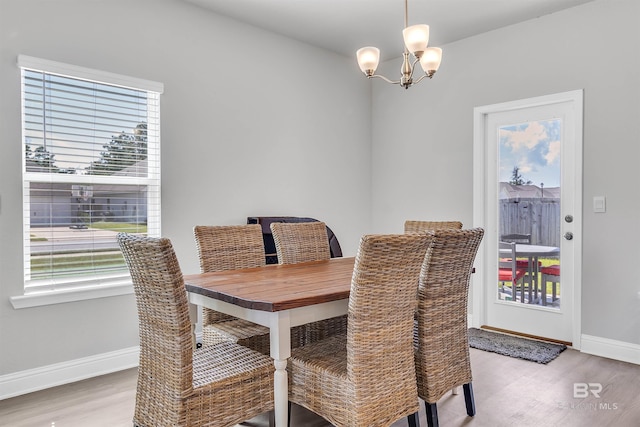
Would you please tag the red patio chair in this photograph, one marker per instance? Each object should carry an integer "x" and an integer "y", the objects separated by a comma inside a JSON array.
[{"x": 551, "y": 274}]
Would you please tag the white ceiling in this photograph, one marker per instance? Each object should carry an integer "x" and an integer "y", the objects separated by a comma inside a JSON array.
[{"x": 343, "y": 26}]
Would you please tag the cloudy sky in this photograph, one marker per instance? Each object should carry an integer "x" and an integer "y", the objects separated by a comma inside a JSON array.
[{"x": 534, "y": 147}]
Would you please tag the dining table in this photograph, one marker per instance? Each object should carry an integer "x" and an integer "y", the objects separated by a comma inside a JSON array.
[
  {"x": 278, "y": 297},
  {"x": 533, "y": 253}
]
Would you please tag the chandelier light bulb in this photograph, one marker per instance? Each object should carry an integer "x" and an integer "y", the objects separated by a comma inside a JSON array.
[
  {"x": 431, "y": 59},
  {"x": 416, "y": 38},
  {"x": 368, "y": 58}
]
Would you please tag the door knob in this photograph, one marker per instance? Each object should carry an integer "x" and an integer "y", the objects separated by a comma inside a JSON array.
[
  {"x": 568, "y": 235},
  {"x": 568, "y": 218}
]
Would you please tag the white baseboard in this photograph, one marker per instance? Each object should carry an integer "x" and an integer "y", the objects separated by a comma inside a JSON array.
[
  {"x": 23, "y": 382},
  {"x": 612, "y": 349}
]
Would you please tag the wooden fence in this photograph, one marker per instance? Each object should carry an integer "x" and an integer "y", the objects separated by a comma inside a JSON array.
[{"x": 538, "y": 217}]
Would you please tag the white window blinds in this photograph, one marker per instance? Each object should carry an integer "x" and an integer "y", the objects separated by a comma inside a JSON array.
[{"x": 91, "y": 168}]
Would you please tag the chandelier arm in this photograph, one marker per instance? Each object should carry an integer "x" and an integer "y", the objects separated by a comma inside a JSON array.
[
  {"x": 384, "y": 78},
  {"x": 421, "y": 78}
]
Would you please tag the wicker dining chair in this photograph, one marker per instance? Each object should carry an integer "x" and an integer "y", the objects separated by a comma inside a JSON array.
[
  {"x": 302, "y": 242},
  {"x": 414, "y": 226},
  {"x": 367, "y": 377},
  {"x": 231, "y": 247},
  {"x": 411, "y": 226},
  {"x": 441, "y": 337},
  {"x": 219, "y": 385}
]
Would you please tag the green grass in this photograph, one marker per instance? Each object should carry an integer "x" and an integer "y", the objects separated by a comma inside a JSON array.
[
  {"x": 123, "y": 227},
  {"x": 70, "y": 264},
  {"x": 75, "y": 263}
]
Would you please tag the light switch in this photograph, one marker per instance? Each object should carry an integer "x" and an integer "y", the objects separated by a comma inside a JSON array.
[{"x": 599, "y": 204}]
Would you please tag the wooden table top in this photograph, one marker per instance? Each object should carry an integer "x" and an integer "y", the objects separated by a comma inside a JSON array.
[{"x": 277, "y": 287}]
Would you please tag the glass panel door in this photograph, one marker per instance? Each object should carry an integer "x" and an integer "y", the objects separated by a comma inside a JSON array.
[
  {"x": 529, "y": 211},
  {"x": 528, "y": 198}
]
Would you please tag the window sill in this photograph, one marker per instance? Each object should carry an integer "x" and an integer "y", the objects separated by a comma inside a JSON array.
[{"x": 50, "y": 297}]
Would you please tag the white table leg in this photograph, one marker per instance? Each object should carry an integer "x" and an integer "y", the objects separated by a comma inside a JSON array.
[
  {"x": 193, "y": 317},
  {"x": 281, "y": 393},
  {"x": 280, "y": 342}
]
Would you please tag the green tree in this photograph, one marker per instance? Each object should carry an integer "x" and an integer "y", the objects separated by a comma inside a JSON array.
[
  {"x": 39, "y": 160},
  {"x": 516, "y": 178},
  {"x": 124, "y": 150}
]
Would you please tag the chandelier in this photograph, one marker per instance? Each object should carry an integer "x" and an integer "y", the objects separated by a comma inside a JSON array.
[{"x": 416, "y": 39}]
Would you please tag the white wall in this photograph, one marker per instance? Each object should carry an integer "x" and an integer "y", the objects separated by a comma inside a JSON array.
[
  {"x": 423, "y": 139},
  {"x": 290, "y": 138}
]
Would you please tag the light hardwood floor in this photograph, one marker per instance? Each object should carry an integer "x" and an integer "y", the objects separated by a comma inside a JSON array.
[{"x": 508, "y": 392}]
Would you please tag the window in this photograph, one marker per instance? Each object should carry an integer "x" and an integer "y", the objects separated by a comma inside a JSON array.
[{"x": 91, "y": 168}]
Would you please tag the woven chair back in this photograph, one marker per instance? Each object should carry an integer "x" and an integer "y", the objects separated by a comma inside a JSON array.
[
  {"x": 300, "y": 242},
  {"x": 422, "y": 226},
  {"x": 229, "y": 247},
  {"x": 382, "y": 305},
  {"x": 441, "y": 335},
  {"x": 166, "y": 346}
]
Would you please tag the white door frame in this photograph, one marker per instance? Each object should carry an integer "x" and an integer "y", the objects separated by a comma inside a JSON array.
[{"x": 480, "y": 205}]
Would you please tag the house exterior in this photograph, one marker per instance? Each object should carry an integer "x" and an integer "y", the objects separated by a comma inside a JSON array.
[
  {"x": 66, "y": 204},
  {"x": 527, "y": 192}
]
